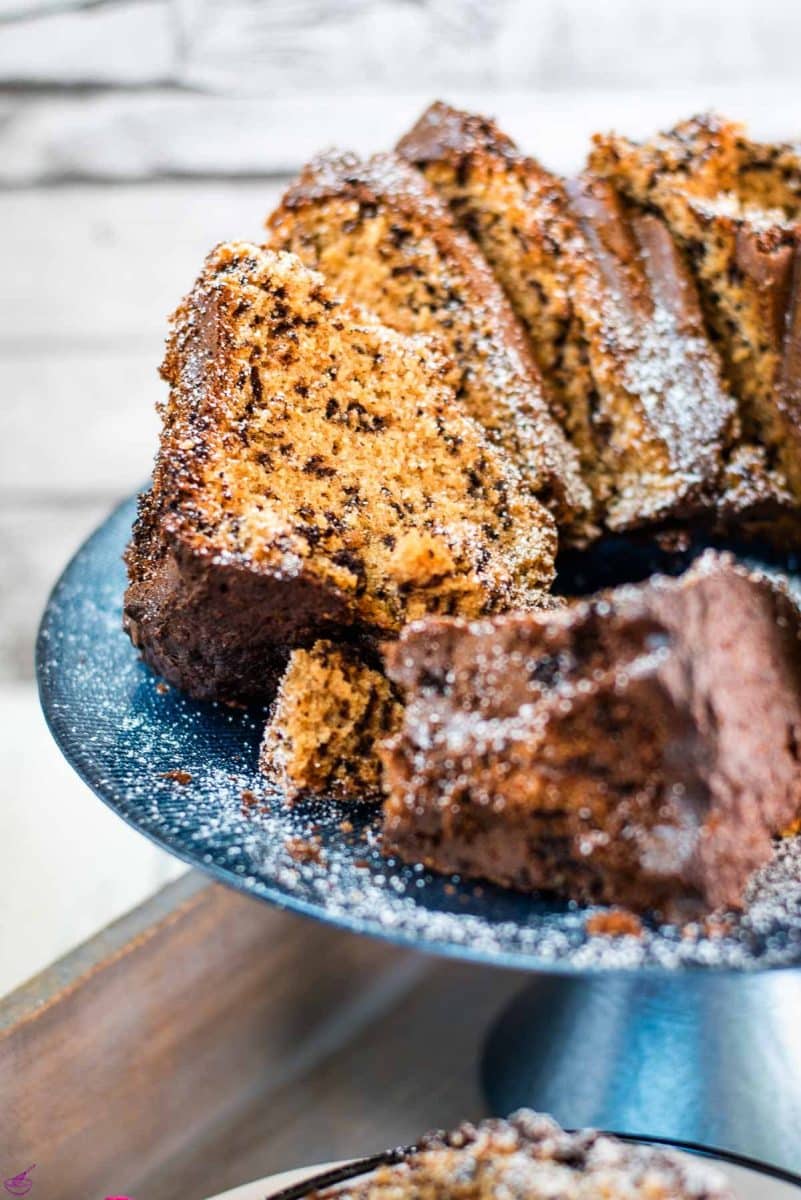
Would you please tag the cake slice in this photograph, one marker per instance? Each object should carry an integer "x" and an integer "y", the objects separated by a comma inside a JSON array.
[
  {"x": 734, "y": 206},
  {"x": 611, "y": 313},
  {"x": 381, "y": 236},
  {"x": 529, "y": 1157},
  {"x": 316, "y": 476},
  {"x": 668, "y": 422},
  {"x": 517, "y": 213},
  {"x": 329, "y": 714},
  {"x": 641, "y": 747}
]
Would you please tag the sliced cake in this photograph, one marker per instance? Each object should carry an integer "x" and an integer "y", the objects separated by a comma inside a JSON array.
[
  {"x": 734, "y": 206},
  {"x": 529, "y": 1157},
  {"x": 641, "y": 748},
  {"x": 329, "y": 714},
  {"x": 316, "y": 475},
  {"x": 517, "y": 212},
  {"x": 611, "y": 313},
  {"x": 381, "y": 235},
  {"x": 667, "y": 419}
]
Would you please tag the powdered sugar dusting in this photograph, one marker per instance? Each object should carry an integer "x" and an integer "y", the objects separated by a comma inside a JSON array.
[
  {"x": 733, "y": 207},
  {"x": 129, "y": 737}
]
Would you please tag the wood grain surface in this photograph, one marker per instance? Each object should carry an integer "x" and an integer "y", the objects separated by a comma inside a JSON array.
[{"x": 206, "y": 1039}]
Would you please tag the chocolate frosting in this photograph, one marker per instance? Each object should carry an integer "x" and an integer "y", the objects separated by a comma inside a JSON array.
[{"x": 641, "y": 747}]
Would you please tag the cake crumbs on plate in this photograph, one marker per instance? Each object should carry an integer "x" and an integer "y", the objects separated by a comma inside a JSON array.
[
  {"x": 177, "y": 776},
  {"x": 617, "y": 922}
]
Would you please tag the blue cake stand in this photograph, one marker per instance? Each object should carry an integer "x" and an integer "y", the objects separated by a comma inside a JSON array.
[{"x": 685, "y": 1037}]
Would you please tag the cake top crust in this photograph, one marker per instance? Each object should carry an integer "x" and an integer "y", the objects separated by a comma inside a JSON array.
[
  {"x": 655, "y": 423},
  {"x": 305, "y": 442},
  {"x": 735, "y": 206},
  {"x": 443, "y": 132}
]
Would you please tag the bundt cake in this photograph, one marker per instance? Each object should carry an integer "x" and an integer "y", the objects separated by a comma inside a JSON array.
[
  {"x": 517, "y": 213},
  {"x": 316, "y": 474},
  {"x": 734, "y": 207},
  {"x": 669, "y": 420},
  {"x": 529, "y": 1157},
  {"x": 381, "y": 453},
  {"x": 329, "y": 714},
  {"x": 640, "y": 747},
  {"x": 379, "y": 234},
  {"x": 611, "y": 312}
]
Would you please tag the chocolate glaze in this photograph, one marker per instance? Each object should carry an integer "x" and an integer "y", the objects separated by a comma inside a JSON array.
[
  {"x": 670, "y": 282},
  {"x": 219, "y": 630},
  {"x": 445, "y": 133},
  {"x": 789, "y": 389},
  {"x": 642, "y": 747},
  {"x": 635, "y": 286}
]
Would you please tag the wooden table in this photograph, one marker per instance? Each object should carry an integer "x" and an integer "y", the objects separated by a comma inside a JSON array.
[{"x": 205, "y": 1040}]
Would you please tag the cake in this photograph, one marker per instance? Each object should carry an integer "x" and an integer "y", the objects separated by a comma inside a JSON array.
[
  {"x": 667, "y": 418},
  {"x": 380, "y": 235},
  {"x": 316, "y": 477},
  {"x": 529, "y": 1156},
  {"x": 734, "y": 207},
  {"x": 611, "y": 313},
  {"x": 517, "y": 213},
  {"x": 330, "y": 712},
  {"x": 446, "y": 360},
  {"x": 640, "y": 747}
]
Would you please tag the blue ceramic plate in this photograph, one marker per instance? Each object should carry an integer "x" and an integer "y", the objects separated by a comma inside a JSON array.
[{"x": 184, "y": 774}]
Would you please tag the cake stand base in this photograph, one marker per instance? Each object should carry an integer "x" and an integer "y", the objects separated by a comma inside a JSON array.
[{"x": 708, "y": 1058}]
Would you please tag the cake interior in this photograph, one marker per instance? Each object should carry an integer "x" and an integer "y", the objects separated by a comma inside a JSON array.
[
  {"x": 382, "y": 236},
  {"x": 332, "y": 444},
  {"x": 331, "y": 710}
]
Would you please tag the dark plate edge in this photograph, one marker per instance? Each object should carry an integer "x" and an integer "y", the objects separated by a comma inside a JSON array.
[{"x": 506, "y": 959}]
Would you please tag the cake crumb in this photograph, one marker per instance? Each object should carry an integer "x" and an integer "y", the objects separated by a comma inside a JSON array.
[
  {"x": 177, "y": 776},
  {"x": 717, "y": 925},
  {"x": 304, "y": 850},
  {"x": 616, "y": 922}
]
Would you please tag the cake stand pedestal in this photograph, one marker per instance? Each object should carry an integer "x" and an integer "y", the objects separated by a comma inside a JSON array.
[{"x": 709, "y": 1058}]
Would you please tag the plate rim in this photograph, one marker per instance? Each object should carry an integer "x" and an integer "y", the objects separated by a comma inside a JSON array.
[
  {"x": 531, "y": 963},
  {"x": 321, "y": 1174}
]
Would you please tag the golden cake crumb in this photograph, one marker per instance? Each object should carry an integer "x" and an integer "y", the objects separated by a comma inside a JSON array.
[{"x": 330, "y": 711}]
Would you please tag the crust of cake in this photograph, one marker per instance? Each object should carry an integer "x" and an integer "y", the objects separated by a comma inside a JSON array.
[
  {"x": 611, "y": 312},
  {"x": 640, "y": 748},
  {"x": 316, "y": 477},
  {"x": 733, "y": 206},
  {"x": 382, "y": 236},
  {"x": 529, "y": 1155},
  {"x": 669, "y": 418},
  {"x": 517, "y": 213},
  {"x": 330, "y": 711}
]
